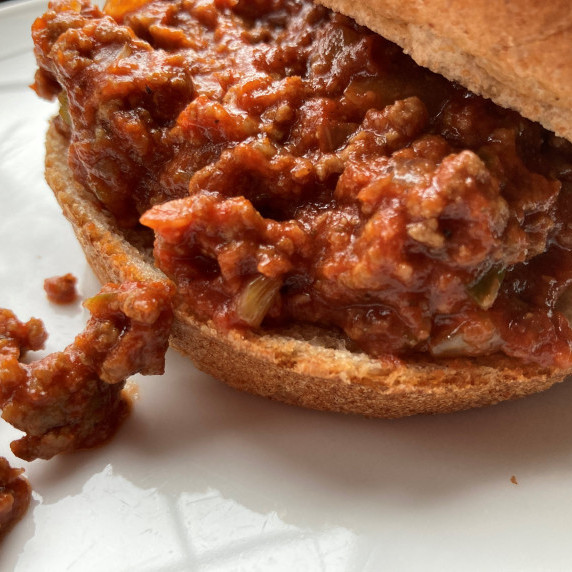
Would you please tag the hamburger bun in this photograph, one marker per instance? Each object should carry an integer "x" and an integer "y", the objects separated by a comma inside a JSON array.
[
  {"x": 310, "y": 366},
  {"x": 515, "y": 53}
]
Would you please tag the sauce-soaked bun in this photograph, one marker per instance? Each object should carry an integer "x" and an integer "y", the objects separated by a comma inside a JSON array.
[
  {"x": 302, "y": 366},
  {"x": 516, "y": 53}
]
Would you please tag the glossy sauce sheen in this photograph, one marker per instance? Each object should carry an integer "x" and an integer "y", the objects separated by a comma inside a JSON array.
[{"x": 297, "y": 168}]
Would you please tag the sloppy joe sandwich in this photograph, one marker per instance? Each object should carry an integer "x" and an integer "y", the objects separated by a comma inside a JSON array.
[{"x": 346, "y": 230}]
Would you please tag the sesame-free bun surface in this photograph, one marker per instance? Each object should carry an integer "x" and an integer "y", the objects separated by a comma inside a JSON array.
[
  {"x": 302, "y": 366},
  {"x": 517, "y": 53}
]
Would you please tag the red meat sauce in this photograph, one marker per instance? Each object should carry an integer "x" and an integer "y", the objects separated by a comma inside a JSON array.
[
  {"x": 297, "y": 168},
  {"x": 61, "y": 289},
  {"x": 15, "y": 495},
  {"x": 73, "y": 399}
]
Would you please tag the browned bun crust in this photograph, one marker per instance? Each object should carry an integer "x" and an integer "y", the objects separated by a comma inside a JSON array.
[
  {"x": 302, "y": 366},
  {"x": 519, "y": 54}
]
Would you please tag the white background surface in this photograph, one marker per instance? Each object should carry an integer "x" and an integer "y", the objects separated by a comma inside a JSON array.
[{"x": 204, "y": 478}]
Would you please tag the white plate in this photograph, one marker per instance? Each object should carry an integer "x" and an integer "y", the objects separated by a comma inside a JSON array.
[{"x": 202, "y": 477}]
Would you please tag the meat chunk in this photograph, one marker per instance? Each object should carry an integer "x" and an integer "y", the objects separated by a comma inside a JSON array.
[
  {"x": 61, "y": 289},
  {"x": 15, "y": 493},
  {"x": 73, "y": 399}
]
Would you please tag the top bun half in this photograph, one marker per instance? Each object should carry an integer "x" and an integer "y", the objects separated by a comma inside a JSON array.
[{"x": 519, "y": 53}]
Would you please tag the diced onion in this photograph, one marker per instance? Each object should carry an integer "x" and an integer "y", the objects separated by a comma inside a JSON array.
[
  {"x": 452, "y": 345},
  {"x": 256, "y": 299},
  {"x": 455, "y": 343},
  {"x": 64, "y": 108},
  {"x": 484, "y": 292},
  {"x": 564, "y": 304}
]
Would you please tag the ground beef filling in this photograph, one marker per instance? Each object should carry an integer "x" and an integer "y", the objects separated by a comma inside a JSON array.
[
  {"x": 297, "y": 168},
  {"x": 73, "y": 399},
  {"x": 15, "y": 495}
]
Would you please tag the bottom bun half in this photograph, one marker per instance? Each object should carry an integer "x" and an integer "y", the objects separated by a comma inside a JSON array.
[{"x": 302, "y": 366}]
